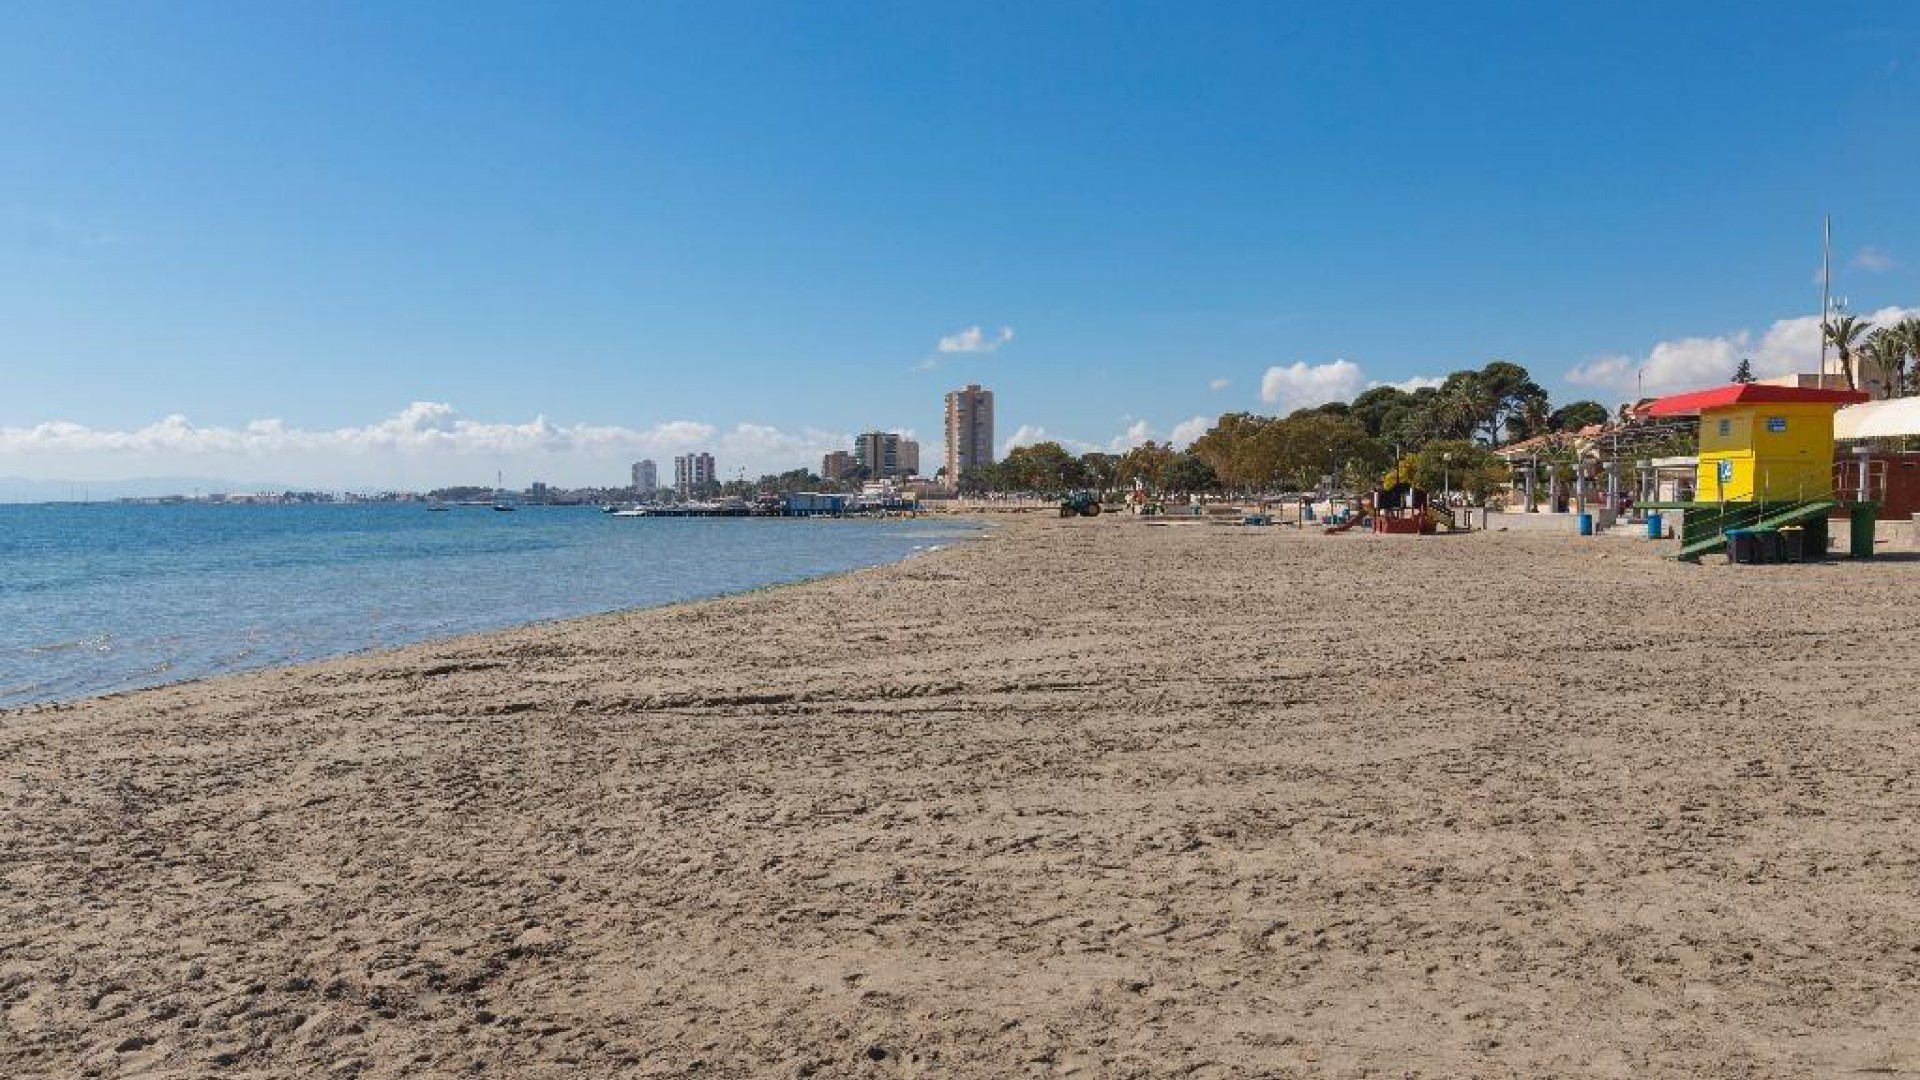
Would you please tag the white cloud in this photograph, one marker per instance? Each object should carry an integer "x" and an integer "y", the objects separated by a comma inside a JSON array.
[
  {"x": 1218, "y": 385},
  {"x": 1135, "y": 433},
  {"x": 1026, "y": 435},
  {"x": 1302, "y": 385},
  {"x": 1418, "y": 382},
  {"x": 975, "y": 340},
  {"x": 1787, "y": 346},
  {"x": 427, "y": 442},
  {"x": 1602, "y": 371},
  {"x": 1872, "y": 258},
  {"x": 1186, "y": 431}
]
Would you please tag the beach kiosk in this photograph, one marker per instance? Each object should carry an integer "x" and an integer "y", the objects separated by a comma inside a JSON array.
[{"x": 1766, "y": 465}]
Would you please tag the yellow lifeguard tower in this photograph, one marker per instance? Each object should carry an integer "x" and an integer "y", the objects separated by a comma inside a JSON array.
[{"x": 1766, "y": 460}]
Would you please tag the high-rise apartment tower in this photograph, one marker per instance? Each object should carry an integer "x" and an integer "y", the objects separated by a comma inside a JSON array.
[
  {"x": 646, "y": 477},
  {"x": 969, "y": 431},
  {"x": 692, "y": 473}
]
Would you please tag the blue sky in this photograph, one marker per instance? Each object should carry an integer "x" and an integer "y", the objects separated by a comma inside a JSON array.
[{"x": 651, "y": 224}]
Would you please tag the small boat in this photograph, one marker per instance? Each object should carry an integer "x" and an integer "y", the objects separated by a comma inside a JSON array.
[
  {"x": 503, "y": 508},
  {"x": 436, "y": 508},
  {"x": 635, "y": 512}
]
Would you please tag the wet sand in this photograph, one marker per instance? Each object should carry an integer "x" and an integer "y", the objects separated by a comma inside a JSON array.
[{"x": 1086, "y": 798}]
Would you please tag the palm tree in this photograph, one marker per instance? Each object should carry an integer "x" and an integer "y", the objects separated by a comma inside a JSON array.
[
  {"x": 1907, "y": 339},
  {"x": 1844, "y": 332},
  {"x": 1886, "y": 350}
]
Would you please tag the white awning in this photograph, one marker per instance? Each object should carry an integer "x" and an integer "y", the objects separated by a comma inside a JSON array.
[{"x": 1878, "y": 419}]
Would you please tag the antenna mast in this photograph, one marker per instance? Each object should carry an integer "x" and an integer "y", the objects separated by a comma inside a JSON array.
[{"x": 1826, "y": 289}]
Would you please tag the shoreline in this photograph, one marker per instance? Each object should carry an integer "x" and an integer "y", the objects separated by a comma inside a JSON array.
[
  {"x": 1089, "y": 798},
  {"x": 980, "y": 528}
]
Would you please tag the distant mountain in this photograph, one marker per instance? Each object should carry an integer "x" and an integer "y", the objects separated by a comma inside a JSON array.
[{"x": 15, "y": 489}]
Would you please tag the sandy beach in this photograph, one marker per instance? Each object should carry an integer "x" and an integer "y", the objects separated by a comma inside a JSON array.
[{"x": 1085, "y": 798}]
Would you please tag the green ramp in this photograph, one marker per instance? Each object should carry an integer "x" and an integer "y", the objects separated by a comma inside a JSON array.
[{"x": 1794, "y": 514}]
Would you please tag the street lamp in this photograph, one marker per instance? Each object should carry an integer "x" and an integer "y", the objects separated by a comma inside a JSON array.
[{"x": 1446, "y": 478}]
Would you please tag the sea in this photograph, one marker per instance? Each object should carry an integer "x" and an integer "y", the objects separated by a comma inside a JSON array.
[{"x": 104, "y": 597}]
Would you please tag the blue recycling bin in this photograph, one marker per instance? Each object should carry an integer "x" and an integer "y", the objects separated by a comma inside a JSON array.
[
  {"x": 1586, "y": 524},
  {"x": 1654, "y": 526}
]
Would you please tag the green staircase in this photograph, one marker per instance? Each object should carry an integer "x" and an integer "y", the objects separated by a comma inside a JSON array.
[{"x": 1706, "y": 533}]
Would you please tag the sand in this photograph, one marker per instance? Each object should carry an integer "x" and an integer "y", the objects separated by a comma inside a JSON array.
[{"x": 1083, "y": 798}]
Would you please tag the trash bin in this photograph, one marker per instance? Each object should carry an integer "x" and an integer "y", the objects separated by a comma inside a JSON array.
[
  {"x": 1793, "y": 544},
  {"x": 1740, "y": 545},
  {"x": 1653, "y": 526},
  {"x": 1766, "y": 545},
  {"x": 1586, "y": 524},
  {"x": 1861, "y": 522}
]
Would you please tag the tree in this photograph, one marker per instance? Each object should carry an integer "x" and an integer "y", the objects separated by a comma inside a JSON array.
[
  {"x": 1045, "y": 467},
  {"x": 1249, "y": 453},
  {"x": 1425, "y": 415},
  {"x": 1314, "y": 444},
  {"x": 1147, "y": 463},
  {"x": 1373, "y": 407},
  {"x": 1102, "y": 470},
  {"x": 1909, "y": 330},
  {"x": 1496, "y": 401},
  {"x": 980, "y": 479},
  {"x": 1881, "y": 354},
  {"x": 1576, "y": 415},
  {"x": 1188, "y": 473},
  {"x": 1512, "y": 394},
  {"x": 1234, "y": 452},
  {"x": 1743, "y": 373},
  {"x": 1889, "y": 349},
  {"x": 1535, "y": 418},
  {"x": 1456, "y": 465},
  {"x": 1407, "y": 420},
  {"x": 1843, "y": 333}
]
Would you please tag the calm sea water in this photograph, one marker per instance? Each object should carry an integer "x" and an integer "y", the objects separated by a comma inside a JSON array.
[{"x": 96, "y": 598}]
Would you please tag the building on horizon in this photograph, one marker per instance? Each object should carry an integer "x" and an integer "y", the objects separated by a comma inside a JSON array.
[
  {"x": 837, "y": 465},
  {"x": 969, "y": 431},
  {"x": 692, "y": 474},
  {"x": 646, "y": 477},
  {"x": 886, "y": 454}
]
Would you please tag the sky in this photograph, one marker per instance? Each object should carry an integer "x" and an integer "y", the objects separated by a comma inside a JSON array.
[{"x": 402, "y": 245}]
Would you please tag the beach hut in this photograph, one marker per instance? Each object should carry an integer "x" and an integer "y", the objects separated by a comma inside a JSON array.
[{"x": 1765, "y": 464}]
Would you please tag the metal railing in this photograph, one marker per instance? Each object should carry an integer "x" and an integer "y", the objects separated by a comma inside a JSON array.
[{"x": 1862, "y": 480}]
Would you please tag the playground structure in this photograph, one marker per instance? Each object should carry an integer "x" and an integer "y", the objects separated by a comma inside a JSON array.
[
  {"x": 1398, "y": 509},
  {"x": 1767, "y": 465},
  {"x": 1404, "y": 510}
]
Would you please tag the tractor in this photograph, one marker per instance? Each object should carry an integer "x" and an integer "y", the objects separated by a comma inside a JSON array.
[{"x": 1080, "y": 504}]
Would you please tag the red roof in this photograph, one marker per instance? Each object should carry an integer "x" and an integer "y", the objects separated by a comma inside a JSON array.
[{"x": 1721, "y": 397}]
